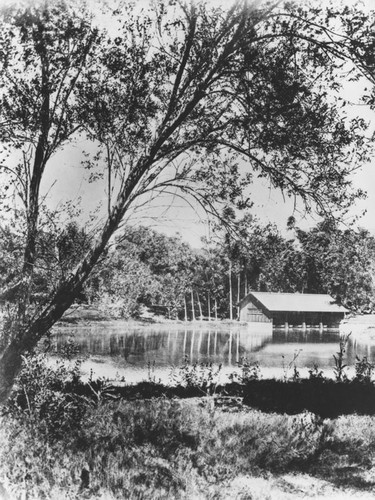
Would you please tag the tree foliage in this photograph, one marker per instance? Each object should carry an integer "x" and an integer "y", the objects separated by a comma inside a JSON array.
[
  {"x": 341, "y": 263},
  {"x": 324, "y": 259}
]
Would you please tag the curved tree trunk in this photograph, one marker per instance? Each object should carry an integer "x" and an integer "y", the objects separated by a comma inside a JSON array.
[{"x": 27, "y": 336}]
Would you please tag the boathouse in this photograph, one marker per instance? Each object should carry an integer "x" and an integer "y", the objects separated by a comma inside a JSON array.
[{"x": 291, "y": 309}]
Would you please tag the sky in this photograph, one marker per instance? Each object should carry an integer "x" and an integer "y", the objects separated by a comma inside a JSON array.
[
  {"x": 192, "y": 224},
  {"x": 64, "y": 181},
  {"x": 176, "y": 216},
  {"x": 269, "y": 205}
]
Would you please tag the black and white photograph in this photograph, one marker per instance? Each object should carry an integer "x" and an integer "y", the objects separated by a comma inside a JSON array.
[{"x": 187, "y": 249}]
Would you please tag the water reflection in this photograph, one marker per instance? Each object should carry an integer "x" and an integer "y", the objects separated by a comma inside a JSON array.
[{"x": 126, "y": 350}]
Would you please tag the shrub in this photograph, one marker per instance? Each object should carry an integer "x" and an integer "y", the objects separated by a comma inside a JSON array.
[
  {"x": 41, "y": 398},
  {"x": 202, "y": 376},
  {"x": 315, "y": 373},
  {"x": 363, "y": 370},
  {"x": 248, "y": 371}
]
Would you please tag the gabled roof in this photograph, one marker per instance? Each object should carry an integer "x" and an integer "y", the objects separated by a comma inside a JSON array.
[{"x": 297, "y": 302}]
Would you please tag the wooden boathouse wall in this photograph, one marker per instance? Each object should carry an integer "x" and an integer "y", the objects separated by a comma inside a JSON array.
[
  {"x": 288, "y": 309},
  {"x": 251, "y": 311}
]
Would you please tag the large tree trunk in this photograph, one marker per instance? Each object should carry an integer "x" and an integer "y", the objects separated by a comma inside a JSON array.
[
  {"x": 22, "y": 341},
  {"x": 32, "y": 194},
  {"x": 27, "y": 336}
]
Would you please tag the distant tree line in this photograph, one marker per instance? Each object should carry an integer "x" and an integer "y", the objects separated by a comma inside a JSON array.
[{"x": 148, "y": 268}]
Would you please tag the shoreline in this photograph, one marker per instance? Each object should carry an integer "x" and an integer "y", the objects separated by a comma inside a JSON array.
[
  {"x": 83, "y": 314},
  {"x": 142, "y": 323}
]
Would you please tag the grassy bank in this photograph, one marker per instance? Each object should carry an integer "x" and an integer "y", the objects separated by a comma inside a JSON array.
[
  {"x": 188, "y": 449},
  {"x": 62, "y": 438},
  {"x": 82, "y": 313}
]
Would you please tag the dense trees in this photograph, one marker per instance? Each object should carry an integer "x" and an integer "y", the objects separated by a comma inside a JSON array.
[
  {"x": 181, "y": 98},
  {"x": 151, "y": 269},
  {"x": 340, "y": 262},
  {"x": 147, "y": 268}
]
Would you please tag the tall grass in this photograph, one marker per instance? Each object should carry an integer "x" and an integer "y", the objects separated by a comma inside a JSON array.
[{"x": 175, "y": 449}]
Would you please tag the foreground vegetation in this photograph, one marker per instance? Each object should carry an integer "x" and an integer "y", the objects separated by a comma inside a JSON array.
[
  {"x": 182, "y": 449},
  {"x": 63, "y": 438}
]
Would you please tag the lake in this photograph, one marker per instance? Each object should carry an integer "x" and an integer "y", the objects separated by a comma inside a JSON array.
[{"x": 119, "y": 349}]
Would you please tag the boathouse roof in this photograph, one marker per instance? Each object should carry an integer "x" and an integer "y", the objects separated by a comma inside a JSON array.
[{"x": 296, "y": 302}]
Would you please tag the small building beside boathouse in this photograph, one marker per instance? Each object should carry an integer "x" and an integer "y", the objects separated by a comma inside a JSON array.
[{"x": 291, "y": 309}]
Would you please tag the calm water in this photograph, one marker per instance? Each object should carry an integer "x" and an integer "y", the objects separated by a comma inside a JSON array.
[{"x": 119, "y": 350}]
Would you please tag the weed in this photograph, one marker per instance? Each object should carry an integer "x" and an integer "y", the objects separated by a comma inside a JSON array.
[
  {"x": 102, "y": 390},
  {"x": 151, "y": 377},
  {"x": 291, "y": 365},
  {"x": 363, "y": 370},
  {"x": 249, "y": 371},
  {"x": 315, "y": 373},
  {"x": 296, "y": 374},
  {"x": 203, "y": 376},
  {"x": 340, "y": 366}
]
